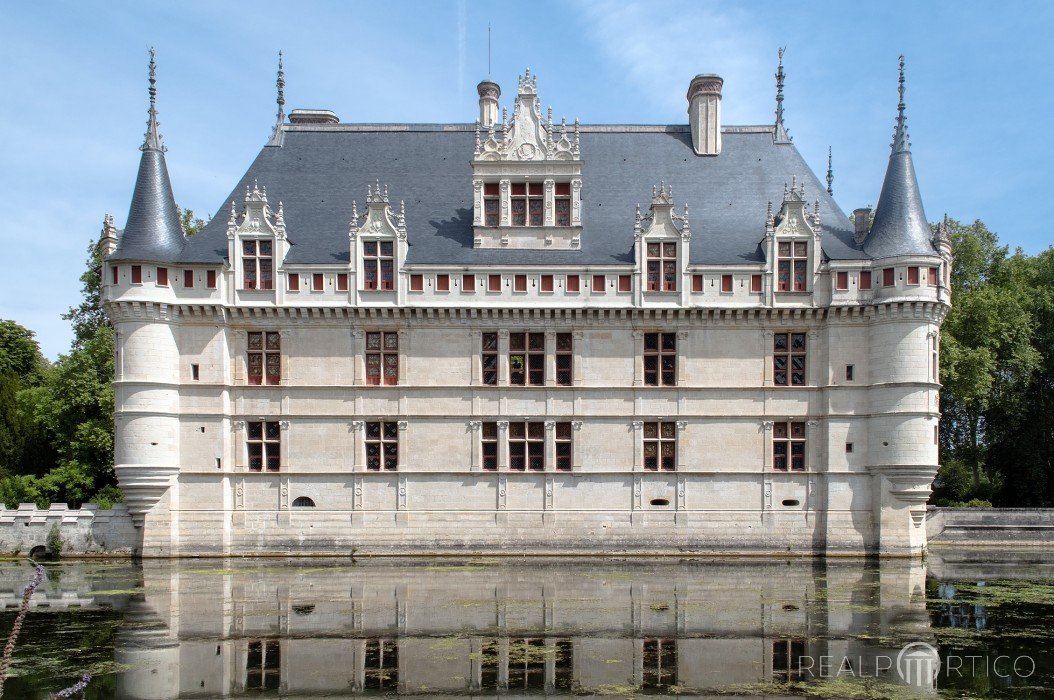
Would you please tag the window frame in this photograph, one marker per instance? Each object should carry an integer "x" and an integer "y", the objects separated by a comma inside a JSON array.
[
  {"x": 383, "y": 435},
  {"x": 787, "y": 435},
  {"x": 378, "y": 265},
  {"x": 526, "y": 444},
  {"x": 468, "y": 283},
  {"x": 161, "y": 277},
  {"x": 841, "y": 280},
  {"x": 531, "y": 196},
  {"x": 258, "y": 263},
  {"x": 660, "y": 375},
  {"x": 788, "y": 353},
  {"x": 572, "y": 284},
  {"x": 662, "y": 433},
  {"x": 381, "y": 356},
  {"x": 661, "y": 273},
  {"x": 532, "y": 354},
  {"x": 270, "y": 447},
  {"x": 270, "y": 356},
  {"x": 564, "y": 350},
  {"x": 188, "y": 279},
  {"x": 866, "y": 281},
  {"x": 789, "y": 260},
  {"x": 489, "y": 358}
]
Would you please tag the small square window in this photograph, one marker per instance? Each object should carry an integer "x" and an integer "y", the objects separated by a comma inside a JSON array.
[
  {"x": 494, "y": 283},
  {"x": 888, "y": 279},
  {"x": 726, "y": 284},
  {"x": 625, "y": 283},
  {"x": 293, "y": 280},
  {"x": 697, "y": 283},
  {"x": 848, "y": 373},
  {"x": 913, "y": 276},
  {"x": 317, "y": 282},
  {"x": 162, "y": 277},
  {"x": 848, "y": 447},
  {"x": 417, "y": 283},
  {"x": 137, "y": 274},
  {"x": 194, "y": 373},
  {"x": 468, "y": 284},
  {"x": 520, "y": 283},
  {"x": 755, "y": 283},
  {"x": 598, "y": 284},
  {"x": 865, "y": 279},
  {"x": 547, "y": 283},
  {"x": 573, "y": 283},
  {"x": 442, "y": 283},
  {"x": 342, "y": 281},
  {"x": 188, "y": 278},
  {"x": 841, "y": 281},
  {"x": 210, "y": 279}
]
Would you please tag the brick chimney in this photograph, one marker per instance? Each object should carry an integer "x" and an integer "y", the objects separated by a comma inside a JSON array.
[{"x": 704, "y": 113}]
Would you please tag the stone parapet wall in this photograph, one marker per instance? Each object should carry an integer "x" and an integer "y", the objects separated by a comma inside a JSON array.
[
  {"x": 991, "y": 526},
  {"x": 87, "y": 530}
]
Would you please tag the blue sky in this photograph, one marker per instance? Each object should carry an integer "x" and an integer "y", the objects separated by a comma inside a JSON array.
[{"x": 73, "y": 97}]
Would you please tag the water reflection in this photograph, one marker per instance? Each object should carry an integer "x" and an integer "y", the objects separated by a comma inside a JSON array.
[{"x": 215, "y": 629}]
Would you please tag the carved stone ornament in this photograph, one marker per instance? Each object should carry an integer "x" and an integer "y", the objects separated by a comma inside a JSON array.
[
  {"x": 381, "y": 221},
  {"x": 661, "y": 221},
  {"x": 528, "y": 137}
]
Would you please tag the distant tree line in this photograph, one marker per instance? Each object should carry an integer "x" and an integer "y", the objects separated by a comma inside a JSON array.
[{"x": 997, "y": 395}]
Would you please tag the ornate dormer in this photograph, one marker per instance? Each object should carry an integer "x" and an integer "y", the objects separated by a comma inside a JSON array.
[
  {"x": 526, "y": 177},
  {"x": 792, "y": 241},
  {"x": 661, "y": 242},
  {"x": 378, "y": 241},
  {"x": 256, "y": 241}
]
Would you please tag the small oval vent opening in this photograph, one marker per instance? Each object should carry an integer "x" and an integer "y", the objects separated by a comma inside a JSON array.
[
  {"x": 660, "y": 501},
  {"x": 789, "y": 502},
  {"x": 303, "y": 502}
]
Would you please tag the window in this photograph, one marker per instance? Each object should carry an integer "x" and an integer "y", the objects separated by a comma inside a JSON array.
[
  {"x": 527, "y": 662},
  {"x": 489, "y": 359},
  {"x": 547, "y": 283},
  {"x": 563, "y": 204},
  {"x": 382, "y": 358},
  {"x": 527, "y": 446},
  {"x": 294, "y": 282},
  {"x": 442, "y": 283},
  {"x": 887, "y": 277},
  {"x": 913, "y": 276},
  {"x": 625, "y": 283},
  {"x": 468, "y": 284},
  {"x": 563, "y": 447},
  {"x": 697, "y": 283},
  {"x": 598, "y": 284},
  {"x": 490, "y": 446},
  {"x": 564, "y": 359},
  {"x": 519, "y": 283},
  {"x": 115, "y": 271},
  {"x": 493, "y": 283},
  {"x": 491, "y": 204},
  {"x": 378, "y": 261},
  {"x": 788, "y": 446},
  {"x": 137, "y": 274},
  {"x": 662, "y": 267},
  {"x": 865, "y": 279},
  {"x": 660, "y": 359},
  {"x": 303, "y": 502},
  {"x": 933, "y": 276},
  {"x": 264, "y": 441},
  {"x": 417, "y": 283},
  {"x": 381, "y": 665},
  {"x": 786, "y": 655},
  {"x": 527, "y": 203},
  {"x": 382, "y": 446},
  {"x": 188, "y": 278},
  {"x": 263, "y": 665},
  {"x": 755, "y": 283},
  {"x": 726, "y": 284},
  {"x": 527, "y": 359},
  {"x": 210, "y": 279},
  {"x": 342, "y": 281},
  {"x": 842, "y": 281},
  {"x": 660, "y": 664},
  {"x": 265, "y": 358},
  {"x": 318, "y": 283},
  {"x": 660, "y": 446},
  {"x": 195, "y": 372},
  {"x": 848, "y": 373},
  {"x": 788, "y": 359},
  {"x": 572, "y": 283},
  {"x": 848, "y": 448},
  {"x": 162, "y": 277},
  {"x": 257, "y": 265},
  {"x": 792, "y": 260}
]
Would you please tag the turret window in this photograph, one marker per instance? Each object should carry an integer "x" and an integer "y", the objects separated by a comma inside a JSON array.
[
  {"x": 913, "y": 276},
  {"x": 137, "y": 274},
  {"x": 188, "y": 278},
  {"x": 792, "y": 264},
  {"x": 662, "y": 267},
  {"x": 257, "y": 265},
  {"x": 933, "y": 276},
  {"x": 378, "y": 261},
  {"x": 162, "y": 277}
]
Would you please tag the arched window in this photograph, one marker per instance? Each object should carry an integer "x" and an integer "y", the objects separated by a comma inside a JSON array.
[{"x": 303, "y": 502}]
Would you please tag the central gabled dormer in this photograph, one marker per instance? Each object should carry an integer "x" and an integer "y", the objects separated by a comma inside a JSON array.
[{"x": 526, "y": 177}]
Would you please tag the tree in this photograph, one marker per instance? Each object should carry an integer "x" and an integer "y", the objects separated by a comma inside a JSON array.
[
  {"x": 20, "y": 354},
  {"x": 191, "y": 224}
]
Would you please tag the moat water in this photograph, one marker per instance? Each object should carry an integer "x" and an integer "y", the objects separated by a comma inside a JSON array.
[{"x": 962, "y": 624}]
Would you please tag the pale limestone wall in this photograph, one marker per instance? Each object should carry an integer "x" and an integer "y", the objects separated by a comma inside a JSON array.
[{"x": 84, "y": 531}]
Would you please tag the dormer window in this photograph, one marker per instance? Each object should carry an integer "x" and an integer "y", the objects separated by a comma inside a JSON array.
[
  {"x": 662, "y": 267},
  {"x": 527, "y": 203},
  {"x": 257, "y": 264},
  {"x": 792, "y": 260},
  {"x": 378, "y": 263},
  {"x": 563, "y": 204},
  {"x": 491, "y": 203}
]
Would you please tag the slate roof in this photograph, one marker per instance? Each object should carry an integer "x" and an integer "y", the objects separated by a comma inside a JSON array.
[
  {"x": 152, "y": 231},
  {"x": 318, "y": 171}
]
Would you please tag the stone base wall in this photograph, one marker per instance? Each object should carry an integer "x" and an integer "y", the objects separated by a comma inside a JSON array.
[
  {"x": 991, "y": 526},
  {"x": 84, "y": 531}
]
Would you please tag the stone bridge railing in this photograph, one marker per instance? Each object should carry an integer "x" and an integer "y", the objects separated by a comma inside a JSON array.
[
  {"x": 85, "y": 530},
  {"x": 990, "y": 526}
]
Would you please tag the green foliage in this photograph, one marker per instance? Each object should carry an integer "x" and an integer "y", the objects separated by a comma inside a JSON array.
[
  {"x": 19, "y": 353},
  {"x": 191, "y": 224},
  {"x": 54, "y": 541}
]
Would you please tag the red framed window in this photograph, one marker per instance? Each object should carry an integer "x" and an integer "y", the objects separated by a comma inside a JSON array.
[
  {"x": 565, "y": 352},
  {"x": 660, "y": 446},
  {"x": 625, "y": 283},
  {"x": 865, "y": 279},
  {"x": 257, "y": 265},
  {"x": 188, "y": 278},
  {"x": 162, "y": 277},
  {"x": 115, "y": 272},
  {"x": 572, "y": 283},
  {"x": 755, "y": 283},
  {"x": 489, "y": 444},
  {"x": 788, "y": 359},
  {"x": 792, "y": 263},
  {"x": 527, "y": 446},
  {"x": 841, "y": 281},
  {"x": 265, "y": 357},
  {"x": 378, "y": 262},
  {"x": 264, "y": 443},
  {"x": 294, "y": 282},
  {"x": 342, "y": 281},
  {"x": 519, "y": 283},
  {"x": 932, "y": 278},
  {"x": 382, "y": 358},
  {"x": 564, "y": 447},
  {"x": 491, "y": 204},
  {"x": 726, "y": 284},
  {"x": 913, "y": 276},
  {"x": 660, "y": 359},
  {"x": 468, "y": 284},
  {"x": 599, "y": 284},
  {"x": 662, "y": 267},
  {"x": 562, "y": 204},
  {"x": 888, "y": 277},
  {"x": 210, "y": 279},
  {"x": 318, "y": 282},
  {"x": 788, "y": 446},
  {"x": 697, "y": 283},
  {"x": 382, "y": 446},
  {"x": 527, "y": 359},
  {"x": 528, "y": 202},
  {"x": 137, "y": 274},
  {"x": 547, "y": 283},
  {"x": 493, "y": 283},
  {"x": 417, "y": 283},
  {"x": 489, "y": 359},
  {"x": 442, "y": 283}
]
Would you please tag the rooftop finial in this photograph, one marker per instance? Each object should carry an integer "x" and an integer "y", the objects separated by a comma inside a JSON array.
[
  {"x": 900, "y": 136},
  {"x": 780, "y": 134},
  {"x": 153, "y": 137},
  {"x": 276, "y": 135},
  {"x": 830, "y": 173}
]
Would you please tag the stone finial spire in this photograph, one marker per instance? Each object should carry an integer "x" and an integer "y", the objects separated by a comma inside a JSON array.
[
  {"x": 108, "y": 236},
  {"x": 780, "y": 134},
  {"x": 900, "y": 135},
  {"x": 152, "y": 139},
  {"x": 830, "y": 173},
  {"x": 276, "y": 135}
]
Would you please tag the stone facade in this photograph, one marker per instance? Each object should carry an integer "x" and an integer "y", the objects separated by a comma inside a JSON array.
[{"x": 669, "y": 403}]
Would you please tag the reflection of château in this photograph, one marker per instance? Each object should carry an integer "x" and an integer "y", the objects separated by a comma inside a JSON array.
[{"x": 558, "y": 628}]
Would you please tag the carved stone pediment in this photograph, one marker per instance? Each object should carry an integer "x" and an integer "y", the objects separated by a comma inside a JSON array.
[
  {"x": 794, "y": 217},
  {"x": 528, "y": 137},
  {"x": 379, "y": 220},
  {"x": 256, "y": 216},
  {"x": 661, "y": 221}
]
